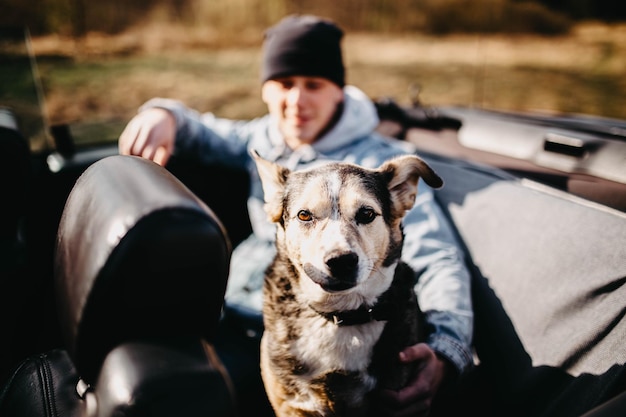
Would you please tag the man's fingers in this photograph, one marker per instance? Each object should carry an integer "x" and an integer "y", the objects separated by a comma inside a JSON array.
[
  {"x": 127, "y": 138},
  {"x": 162, "y": 155},
  {"x": 148, "y": 152},
  {"x": 416, "y": 398},
  {"x": 141, "y": 141},
  {"x": 415, "y": 391},
  {"x": 418, "y": 352},
  {"x": 150, "y": 134}
]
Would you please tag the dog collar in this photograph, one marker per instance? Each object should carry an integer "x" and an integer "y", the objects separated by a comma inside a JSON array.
[{"x": 362, "y": 315}]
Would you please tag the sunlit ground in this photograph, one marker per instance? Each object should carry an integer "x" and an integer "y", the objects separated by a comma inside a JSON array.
[{"x": 105, "y": 79}]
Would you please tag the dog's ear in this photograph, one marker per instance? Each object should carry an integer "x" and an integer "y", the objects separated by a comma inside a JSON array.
[
  {"x": 273, "y": 178},
  {"x": 404, "y": 173}
]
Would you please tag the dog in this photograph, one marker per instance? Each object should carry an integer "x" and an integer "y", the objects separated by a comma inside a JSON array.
[{"x": 338, "y": 303}]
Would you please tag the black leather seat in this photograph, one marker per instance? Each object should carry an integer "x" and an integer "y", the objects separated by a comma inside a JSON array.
[
  {"x": 140, "y": 272},
  {"x": 15, "y": 171}
]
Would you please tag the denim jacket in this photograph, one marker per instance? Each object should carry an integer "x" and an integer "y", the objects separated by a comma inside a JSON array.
[{"x": 443, "y": 287}]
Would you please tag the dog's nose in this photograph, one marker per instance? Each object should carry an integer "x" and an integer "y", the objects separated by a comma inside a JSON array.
[{"x": 343, "y": 266}]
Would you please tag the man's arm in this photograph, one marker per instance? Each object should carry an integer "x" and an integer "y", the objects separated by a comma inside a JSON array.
[
  {"x": 443, "y": 287},
  {"x": 443, "y": 290},
  {"x": 164, "y": 127}
]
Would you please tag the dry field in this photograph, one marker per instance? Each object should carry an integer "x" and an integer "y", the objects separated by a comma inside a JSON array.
[{"x": 105, "y": 79}]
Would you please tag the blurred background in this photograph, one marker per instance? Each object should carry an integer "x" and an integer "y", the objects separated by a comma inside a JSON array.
[{"x": 99, "y": 61}]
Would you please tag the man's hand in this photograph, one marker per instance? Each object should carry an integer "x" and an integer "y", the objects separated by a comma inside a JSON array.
[
  {"x": 417, "y": 397},
  {"x": 149, "y": 134}
]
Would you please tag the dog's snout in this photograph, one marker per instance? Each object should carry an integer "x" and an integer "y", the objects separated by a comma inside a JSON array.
[{"x": 343, "y": 265}]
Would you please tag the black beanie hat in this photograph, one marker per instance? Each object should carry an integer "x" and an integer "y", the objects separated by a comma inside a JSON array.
[{"x": 303, "y": 45}]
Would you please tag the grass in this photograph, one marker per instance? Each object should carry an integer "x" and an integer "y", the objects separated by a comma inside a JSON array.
[{"x": 105, "y": 79}]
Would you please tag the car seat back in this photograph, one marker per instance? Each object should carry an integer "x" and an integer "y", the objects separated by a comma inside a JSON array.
[
  {"x": 140, "y": 273},
  {"x": 138, "y": 255},
  {"x": 549, "y": 290}
]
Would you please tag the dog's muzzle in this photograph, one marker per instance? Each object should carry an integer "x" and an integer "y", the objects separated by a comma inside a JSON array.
[{"x": 342, "y": 272}]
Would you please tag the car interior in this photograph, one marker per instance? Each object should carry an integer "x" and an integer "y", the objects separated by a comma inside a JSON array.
[{"x": 98, "y": 321}]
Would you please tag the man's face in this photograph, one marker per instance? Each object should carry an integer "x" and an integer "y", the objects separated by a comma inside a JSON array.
[{"x": 304, "y": 106}]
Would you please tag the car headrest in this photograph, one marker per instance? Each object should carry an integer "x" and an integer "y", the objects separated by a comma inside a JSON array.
[{"x": 138, "y": 256}]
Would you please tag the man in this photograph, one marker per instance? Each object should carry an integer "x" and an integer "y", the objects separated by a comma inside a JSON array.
[{"x": 314, "y": 115}]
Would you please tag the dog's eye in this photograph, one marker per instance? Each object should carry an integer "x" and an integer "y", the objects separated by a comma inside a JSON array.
[
  {"x": 305, "y": 216},
  {"x": 365, "y": 215}
]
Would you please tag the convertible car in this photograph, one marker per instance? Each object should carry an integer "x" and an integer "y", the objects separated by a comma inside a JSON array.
[{"x": 113, "y": 268}]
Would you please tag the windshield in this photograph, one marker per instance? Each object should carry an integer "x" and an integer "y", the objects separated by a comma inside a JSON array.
[
  {"x": 21, "y": 95},
  {"x": 102, "y": 60}
]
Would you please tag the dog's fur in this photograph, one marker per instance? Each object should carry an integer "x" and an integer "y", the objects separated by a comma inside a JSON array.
[{"x": 339, "y": 304}]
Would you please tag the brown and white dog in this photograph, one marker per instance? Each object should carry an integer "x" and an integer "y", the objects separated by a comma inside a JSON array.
[{"x": 339, "y": 304}]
